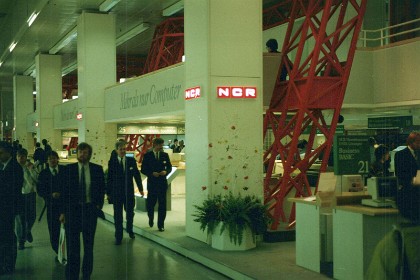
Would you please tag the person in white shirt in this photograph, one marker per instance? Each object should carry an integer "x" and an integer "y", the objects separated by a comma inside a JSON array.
[{"x": 26, "y": 219}]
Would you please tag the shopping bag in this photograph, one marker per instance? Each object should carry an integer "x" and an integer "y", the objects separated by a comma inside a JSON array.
[{"x": 62, "y": 249}]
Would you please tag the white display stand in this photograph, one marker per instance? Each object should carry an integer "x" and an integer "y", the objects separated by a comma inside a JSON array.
[
  {"x": 141, "y": 200},
  {"x": 313, "y": 234},
  {"x": 314, "y": 225},
  {"x": 356, "y": 232},
  {"x": 308, "y": 245}
]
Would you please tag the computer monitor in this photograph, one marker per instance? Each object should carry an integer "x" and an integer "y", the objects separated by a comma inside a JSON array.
[
  {"x": 349, "y": 183},
  {"x": 392, "y": 156},
  {"x": 73, "y": 152},
  {"x": 382, "y": 188}
]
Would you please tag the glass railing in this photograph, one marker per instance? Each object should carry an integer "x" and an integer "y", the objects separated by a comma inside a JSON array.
[{"x": 391, "y": 34}]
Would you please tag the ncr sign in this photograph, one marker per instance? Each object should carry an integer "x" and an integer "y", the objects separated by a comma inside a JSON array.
[
  {"x": 236, "y": 92},
  {"x": 192, "y": 93}
]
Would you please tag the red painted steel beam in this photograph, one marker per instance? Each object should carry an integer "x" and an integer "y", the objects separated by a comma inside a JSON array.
[
  {"x": 279, "y": 13},
  {"x": 140, "y": 143},
  {"x": 318, "y": 78},
  {"x": 167, "y": 46}
]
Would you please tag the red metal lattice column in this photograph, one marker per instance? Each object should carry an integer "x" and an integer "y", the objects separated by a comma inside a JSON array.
[
  {"x": 318, "y": 77},
  {"x": 73, "y": 143},
  {"x": 140, "y": 143},
  {"x": 167, "y": 47}
]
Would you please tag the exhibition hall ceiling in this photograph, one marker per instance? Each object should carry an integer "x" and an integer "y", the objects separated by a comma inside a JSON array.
[{"x": 56, "y": 19}]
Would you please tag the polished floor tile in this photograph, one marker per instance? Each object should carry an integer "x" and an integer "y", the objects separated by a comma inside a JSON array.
[{"x": 134, "y": 259}]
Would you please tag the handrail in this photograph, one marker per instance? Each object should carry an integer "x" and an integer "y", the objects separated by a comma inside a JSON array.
[{"x": 384, "y": 34}]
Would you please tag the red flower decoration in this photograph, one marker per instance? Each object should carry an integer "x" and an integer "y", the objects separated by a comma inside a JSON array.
[
  {"x": 225, "y": 187},
  {"x": 203, "y": 188},
  {"x": 210, "y": 145},
  {"x": 233, "y": 127},
  {"x": 246, "y": 177}
]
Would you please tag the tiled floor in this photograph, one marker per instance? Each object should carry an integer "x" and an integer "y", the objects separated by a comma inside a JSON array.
[
  {"x": 147, "y": 258},
  {"x": 134, "y": 259},
  {"x": 267, "y": 261}
]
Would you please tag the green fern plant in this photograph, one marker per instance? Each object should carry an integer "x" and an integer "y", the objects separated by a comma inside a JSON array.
[
  {"x": 237, "y": 213},
  {"x": 209, "y": 214}
]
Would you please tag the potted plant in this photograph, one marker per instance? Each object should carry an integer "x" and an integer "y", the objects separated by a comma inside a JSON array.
[{"x": 236, "y": 218}]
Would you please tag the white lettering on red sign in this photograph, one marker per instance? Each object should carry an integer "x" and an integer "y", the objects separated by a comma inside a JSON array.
[
  {"x": 192, "y": 93},
  {"x": 236, "y": 92}
]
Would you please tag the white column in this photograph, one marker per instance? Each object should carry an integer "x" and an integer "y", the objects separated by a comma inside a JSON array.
[
  {"x": 23, "y": 103},
  {"x": 48, "y": 95},
  {"x": 7, "y": 112},
  {"x": 96, "y": 63},
  {"x": 224, "y": 136}
]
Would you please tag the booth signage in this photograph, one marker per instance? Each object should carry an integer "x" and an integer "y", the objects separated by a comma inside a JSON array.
[
  {"x": 236, "y": 92},
  {"x": 388, "y": 122},
  {"x": 192, "y": 93},
  {"x": 351, "y": 154},
  {"x": 160, "y": 92},
  {"x": 147, "y": 129},
  {"x": 65, "y": 114},
  {"x": 338, "y": 130}
]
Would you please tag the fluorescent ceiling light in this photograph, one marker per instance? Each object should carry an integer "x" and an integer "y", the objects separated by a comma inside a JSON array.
[
  {"x": 108, "y": 5},
  {"x": 29, "y": 70},
  {"x": 64, "y": 41},
  {"x": 69, "y": 69},
  {"x": 173, "y": 9},
  {"x": 132, "y": 33},
  {"x": 12, "y": 46},
  {"x": 32, "y": 18}
]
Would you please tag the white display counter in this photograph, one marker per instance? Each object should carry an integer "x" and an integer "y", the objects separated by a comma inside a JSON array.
[
  {"x": 313, "y": 234},
  {"x": 356, "y": 232}
]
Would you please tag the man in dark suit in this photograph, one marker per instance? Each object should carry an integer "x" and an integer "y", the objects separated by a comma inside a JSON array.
[
  {"x": 11, "y": 182},
  {"x": 50, "y": 184},
  {"x": 120, "y": 189},
  {"x": 405, "y": 161},
  {"x": 39, "y": 156},
  {"x": 82, "y": 201},
  {"x": 156, "y": 166}
]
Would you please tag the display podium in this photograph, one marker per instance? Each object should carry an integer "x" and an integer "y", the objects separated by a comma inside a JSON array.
[
  {"x": 141, "y": 200},
  {"x": 313, "y": 234}
]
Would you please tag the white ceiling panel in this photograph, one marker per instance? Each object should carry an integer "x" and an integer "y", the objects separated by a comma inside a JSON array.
[{"x": 55, "y": 19}]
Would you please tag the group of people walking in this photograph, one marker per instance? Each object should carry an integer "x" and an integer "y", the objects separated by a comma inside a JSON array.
[{"x": 74, "y": 196}]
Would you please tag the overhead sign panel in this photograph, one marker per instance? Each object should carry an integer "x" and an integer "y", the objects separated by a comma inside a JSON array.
[{"x": 388, "y": 122}]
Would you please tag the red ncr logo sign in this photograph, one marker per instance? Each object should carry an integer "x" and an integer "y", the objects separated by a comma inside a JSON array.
[
  {"x": 236, "y": 92},
  {"x": 192, "y": 93}
]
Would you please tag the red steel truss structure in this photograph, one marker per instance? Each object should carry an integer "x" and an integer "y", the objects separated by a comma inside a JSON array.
[
  {"x": 140, "y": 143},
  {"x": 73, "y": 143},
  {"x": 167, "y": 46},
  {"x": 312, "y": 97},
  {"x": 280, "y": 13}
]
